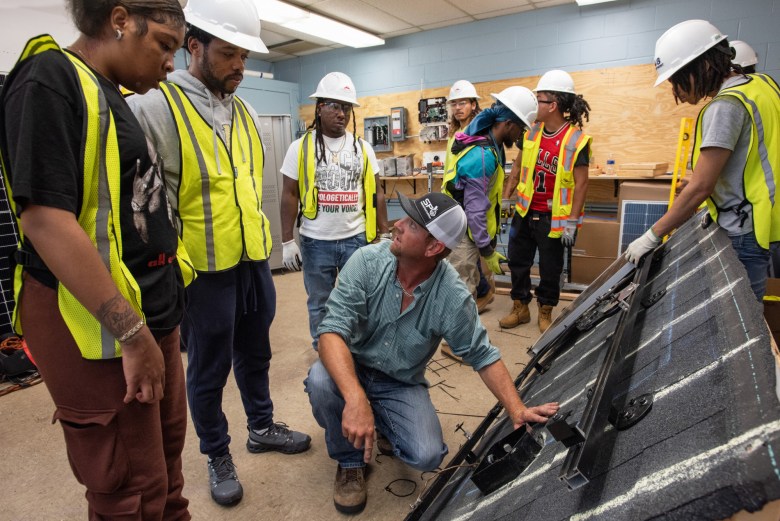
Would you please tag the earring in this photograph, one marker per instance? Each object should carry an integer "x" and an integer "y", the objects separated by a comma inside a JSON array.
[{"x": 119, "y": 34}]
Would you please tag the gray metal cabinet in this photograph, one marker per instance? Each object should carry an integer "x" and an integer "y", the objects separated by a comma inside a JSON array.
[{"x": 276, "y": 133}]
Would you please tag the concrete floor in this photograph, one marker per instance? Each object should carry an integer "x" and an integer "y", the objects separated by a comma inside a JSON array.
[{"x": 38, "y": 483}]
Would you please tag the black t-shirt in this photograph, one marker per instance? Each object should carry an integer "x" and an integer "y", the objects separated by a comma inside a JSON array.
[{"x": 43, "y": 121}]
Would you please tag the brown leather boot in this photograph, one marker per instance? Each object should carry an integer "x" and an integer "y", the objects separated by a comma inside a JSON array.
[
  {"x": 518, "y": 315},
  {"x": 545, "y": 317},
  {"x": 482, "y": 302},
  {"x": 349, "y": 490}
]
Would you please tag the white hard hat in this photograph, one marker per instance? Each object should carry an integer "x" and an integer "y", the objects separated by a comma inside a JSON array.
[
  {"x": 556, "y": 81},
  {"x": 521, "y": 101},
  {"x": 462, "y": 89},
  {"x": 746, "y": 56},
  {"x": 682, "y": 44},
  {"x": 235, "y": 21},
  {"x": 338, "y": 86}
]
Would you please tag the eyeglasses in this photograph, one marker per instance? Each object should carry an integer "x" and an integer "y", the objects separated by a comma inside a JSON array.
[
  {"x": 336, "y": 106},
  {"x": 459, "y": 103},
  {"x": 545, "y": 101}
]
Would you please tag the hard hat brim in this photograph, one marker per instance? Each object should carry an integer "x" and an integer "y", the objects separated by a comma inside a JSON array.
[
  {"x": 335, "y": 97},
  {"x": 250, "y": 43},
  {"x": 508, "y": 104}
]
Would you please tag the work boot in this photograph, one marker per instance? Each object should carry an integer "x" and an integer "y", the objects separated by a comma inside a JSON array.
[
  {"x": 518, "y": 315},
  {"x": 349, "y": 490},
  {"x": 383, "y": 445},
  {"x": 545, "y": 317},
  {"x": 483, "y": 301},
  {"x": 277, "y": 437},
  {"x": 446, "y": 350},
  {"x": 225, "y": 487}
]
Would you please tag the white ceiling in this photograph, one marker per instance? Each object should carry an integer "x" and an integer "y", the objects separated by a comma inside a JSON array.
[
  {"x": 21, "y": 19},
  {"x": 389, "y": 18}
]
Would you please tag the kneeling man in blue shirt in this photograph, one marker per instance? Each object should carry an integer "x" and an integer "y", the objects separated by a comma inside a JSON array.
[{"x": 393, "y": 304}]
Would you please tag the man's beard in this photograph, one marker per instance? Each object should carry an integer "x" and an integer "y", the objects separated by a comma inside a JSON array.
[{"x": 212, "y": 82}]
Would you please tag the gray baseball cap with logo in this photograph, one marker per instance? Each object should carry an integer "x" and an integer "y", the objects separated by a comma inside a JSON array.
[{"x": 439, "y": 214}]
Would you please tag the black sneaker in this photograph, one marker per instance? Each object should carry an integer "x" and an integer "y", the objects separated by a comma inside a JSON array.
[
  {"x": 277, "y": 437},
  {"x": 225, "y": 487}
]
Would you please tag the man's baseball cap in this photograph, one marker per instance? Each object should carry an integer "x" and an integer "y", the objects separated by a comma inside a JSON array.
[{"x": 439, "y": 214}]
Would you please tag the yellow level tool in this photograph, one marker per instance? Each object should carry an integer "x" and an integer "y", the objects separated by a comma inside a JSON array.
[{"x": 684, "y": 141}]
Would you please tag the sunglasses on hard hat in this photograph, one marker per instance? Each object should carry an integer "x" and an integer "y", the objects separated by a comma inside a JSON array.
[{"x": 336, "y": 106}]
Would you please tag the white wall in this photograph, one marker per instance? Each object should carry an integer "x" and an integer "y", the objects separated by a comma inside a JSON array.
[{"x": 20, "y": 20}]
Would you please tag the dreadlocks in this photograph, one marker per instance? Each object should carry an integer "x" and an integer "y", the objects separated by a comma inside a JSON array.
[
  {"x": 572, "y": 106},
  {"x": 703, "y": 76},
  {"x": 319, "y": 150},
  {"x": 455, "y": 124}
]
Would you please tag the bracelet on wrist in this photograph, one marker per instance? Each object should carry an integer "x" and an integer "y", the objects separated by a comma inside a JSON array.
[{"x": 130, "y": 333}]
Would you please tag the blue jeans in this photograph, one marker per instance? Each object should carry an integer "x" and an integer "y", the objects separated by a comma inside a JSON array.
[
  {"x": 755, "y": 259},
  {"x": 402, "y": 412},
  {"x": 322, "y": 260},
  {"x": 226, "y": 323}
]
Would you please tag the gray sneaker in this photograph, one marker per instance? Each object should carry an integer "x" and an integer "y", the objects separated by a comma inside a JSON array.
[
  {"x": 225, "y": 487},
  {"x": 277, "y": 437}
]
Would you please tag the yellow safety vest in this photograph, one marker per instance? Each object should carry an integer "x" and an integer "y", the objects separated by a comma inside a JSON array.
[
  {"x": 574, "y": 140},
  {"x": 495, "y": 187},
  {"x": 308, "y": 191},
  {"x": 761, "y": 98},
  {"x": 221, "y": 212},
  {"x": 98, "y": 217}
]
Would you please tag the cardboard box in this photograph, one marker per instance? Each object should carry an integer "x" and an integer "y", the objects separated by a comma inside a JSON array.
[
  {"x": 586, "y": 269},
  {"x": 772, "y": 308},
  {"x": 643, "y": 191},
  {"x": 597, "y": 239}
]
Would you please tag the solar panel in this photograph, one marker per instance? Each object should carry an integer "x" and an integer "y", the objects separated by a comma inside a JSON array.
[
  {"x": 636, "y": 217},
  {"x": 8, "y": 242}
]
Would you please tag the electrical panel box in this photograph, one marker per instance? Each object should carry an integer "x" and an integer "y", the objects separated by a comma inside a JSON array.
[
  {"x": 432, "y": 110},
  {"x": 431, "y": 132},
  {"x": 398, "y": 124},
  {"x": 377, "y": 132}
]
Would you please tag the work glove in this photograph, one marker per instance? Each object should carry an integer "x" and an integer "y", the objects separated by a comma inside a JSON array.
[
  {"x": 291, "y": 256},
  {"x": 494, "y": 262},
  {"x": 569, "y": 233},
  {"x": 642, "y": 245}
]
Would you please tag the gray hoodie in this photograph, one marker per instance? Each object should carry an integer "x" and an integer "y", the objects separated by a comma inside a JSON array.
[{"x": 156, "y": 119}]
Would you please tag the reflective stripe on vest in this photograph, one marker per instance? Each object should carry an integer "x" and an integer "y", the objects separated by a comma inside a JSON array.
[
  {"x": 494, "y": 189},
  {"x": 99, "y": 215},
  {"x": 221, "y": 212},
  {"x": 307, "y": 187},
  {"x": 572, "y": 144},
  {"x": 761, "y": 98}
]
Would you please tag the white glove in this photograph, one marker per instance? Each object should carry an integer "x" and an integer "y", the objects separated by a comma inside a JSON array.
[
  {"x": 642, "y": 245},
  {"x": 569, "y": 233},
  {"x": 291, "y": 256}
]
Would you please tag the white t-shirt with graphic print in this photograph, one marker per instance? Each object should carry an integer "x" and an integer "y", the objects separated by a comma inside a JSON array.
[{"x": 339, "y": 180}]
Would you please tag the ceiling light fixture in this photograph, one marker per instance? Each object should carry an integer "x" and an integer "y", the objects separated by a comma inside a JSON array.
[
  {"x": 591, "y": 2},
  {"x": 296, "y": 19}
]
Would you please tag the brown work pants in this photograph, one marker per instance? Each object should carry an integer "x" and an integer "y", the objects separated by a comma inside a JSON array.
[{"x": 128, "y": 456}]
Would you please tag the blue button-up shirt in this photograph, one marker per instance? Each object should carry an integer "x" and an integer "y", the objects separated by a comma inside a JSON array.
[{"x": 365, "y": 310}]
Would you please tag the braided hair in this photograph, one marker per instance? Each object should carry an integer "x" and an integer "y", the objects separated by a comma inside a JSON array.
[
  {"x": 316, "y": 125},
  {"x": 572, "y": 106},
  {"x": 707, "y": 72},
  {"x": 455, "y": 124}
]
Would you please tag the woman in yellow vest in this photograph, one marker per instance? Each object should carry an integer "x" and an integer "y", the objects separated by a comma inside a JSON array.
[
  {"x": 551, "y": 177},
  {"x": 736, "y": 153},
  {"x": 99, "y": 290}
]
